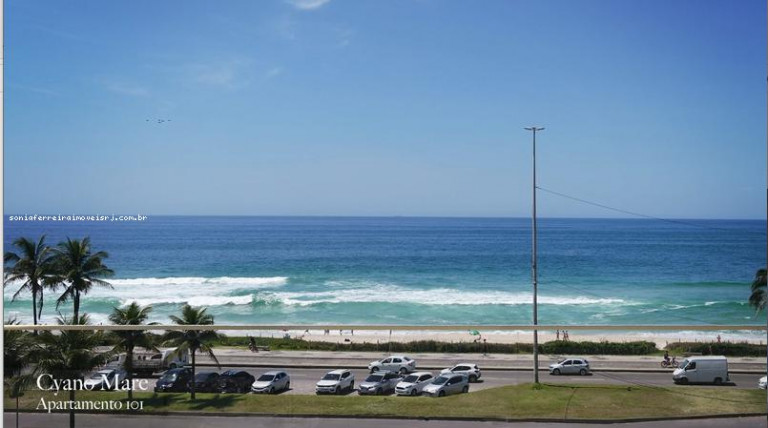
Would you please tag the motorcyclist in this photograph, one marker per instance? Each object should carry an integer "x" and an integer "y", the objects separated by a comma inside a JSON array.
[{"x": 666, "y": 356}]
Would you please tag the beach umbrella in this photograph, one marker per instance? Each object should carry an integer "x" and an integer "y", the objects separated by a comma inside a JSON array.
[{"x": 474, "y": 332}]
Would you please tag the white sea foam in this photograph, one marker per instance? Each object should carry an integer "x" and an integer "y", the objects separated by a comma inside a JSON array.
[
  {"x": 196, "y": 291},
  {"x": 440, "y": 296}
]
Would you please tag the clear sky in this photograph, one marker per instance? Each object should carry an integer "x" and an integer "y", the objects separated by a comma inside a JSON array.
[{"x": 396, "y": 107}]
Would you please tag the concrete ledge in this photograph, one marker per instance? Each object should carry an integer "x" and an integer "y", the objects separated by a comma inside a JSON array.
[{"x": 400, "y": 418}]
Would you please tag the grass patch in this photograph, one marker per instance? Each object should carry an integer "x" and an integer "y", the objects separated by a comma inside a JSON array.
[{"x": 508, "y": 402}]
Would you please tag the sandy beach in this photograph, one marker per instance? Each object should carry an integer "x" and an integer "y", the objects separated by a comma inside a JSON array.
[{"x": 660, "y": 338}]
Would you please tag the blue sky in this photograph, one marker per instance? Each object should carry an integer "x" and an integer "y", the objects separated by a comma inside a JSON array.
[{"x": 316, "y": 107}]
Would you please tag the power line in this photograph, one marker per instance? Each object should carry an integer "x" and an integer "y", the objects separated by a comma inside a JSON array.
[{"x": 584, "y": 201}]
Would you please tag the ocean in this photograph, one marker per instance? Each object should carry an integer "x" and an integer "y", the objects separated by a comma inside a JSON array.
[{"x": 430, "y": 271}]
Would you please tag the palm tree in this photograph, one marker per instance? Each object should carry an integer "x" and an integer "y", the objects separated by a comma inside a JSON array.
[
  {"x": 758, "y": 296},
  {"x": 69, "y": 354},
  {"x": 126, "y": 340},
  {"x": 16, "y": 347},
  {"x": 193, "y": 340},
  {"x": 34, "y": 267},
  {"x": 80, "y": 269}
]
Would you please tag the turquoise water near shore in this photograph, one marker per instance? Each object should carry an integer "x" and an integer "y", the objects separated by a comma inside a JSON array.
[{"x": 431, "y": 271}]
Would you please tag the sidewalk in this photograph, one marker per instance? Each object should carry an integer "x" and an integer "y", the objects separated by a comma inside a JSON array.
[{"x": 328, "y": 359}]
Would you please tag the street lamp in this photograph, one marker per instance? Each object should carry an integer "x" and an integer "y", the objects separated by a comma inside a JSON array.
[{"x": 534, "y": 266}]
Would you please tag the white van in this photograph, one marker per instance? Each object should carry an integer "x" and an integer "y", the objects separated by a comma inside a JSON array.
[
  {"x": 146, "y": 362},
  {"x": 702, "y": 370}
]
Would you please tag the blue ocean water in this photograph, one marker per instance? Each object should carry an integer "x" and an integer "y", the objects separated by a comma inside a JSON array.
[{"x": 418, "y": 270}]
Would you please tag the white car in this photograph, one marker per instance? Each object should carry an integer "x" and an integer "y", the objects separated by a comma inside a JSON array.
[
  {"x": 472, "y": 371},
  {"x": 335, "y": 382},
  {"x": 104, "y": 379},
  {"x": 271, "y": 382},
  {"x": 762, "y": 383},
  {"x": 414, "y": 383},
  {"x": 395, "y": 363}
]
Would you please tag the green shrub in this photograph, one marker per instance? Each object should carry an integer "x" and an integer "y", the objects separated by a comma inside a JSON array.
[
  {"x": 598, "y": 348},
  {"x": 741, "y": 349}
]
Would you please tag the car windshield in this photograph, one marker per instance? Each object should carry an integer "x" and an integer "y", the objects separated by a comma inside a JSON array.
[
  {"x": 684, "y": 364},
  {"x": 374, "y": 378},
  {"x": 97, "y": 376},
  {"x": 411, "y": 379},
  {"x": 331, "y": 376},
  {"x": 440, "y": 380},
  {"x": 229, "y": 373},
  {"x": 562, "y": 361},
  {"x": 169, "y": 377},
  {"x": 266, "y": 377}
]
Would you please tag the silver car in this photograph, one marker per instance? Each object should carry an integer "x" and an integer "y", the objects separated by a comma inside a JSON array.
[
  {"x": 447, "y": 384},
  {"x": 570, "y": 365},
  {"x": 379, "y": 383},
  {"x": 396, "y": 363},
  {"x": 105, "y": 379},
  {"x": 472, "y": 371},
  {"x": 414, "y": 383},
  {"x": 271, "y": 382}
]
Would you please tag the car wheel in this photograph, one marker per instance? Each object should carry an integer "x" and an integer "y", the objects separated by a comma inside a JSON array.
[
  {"x": 272, "y": 390},
  {"x": 287, "y": 386},
  {"x": 379, "y": 391},
  {"x": 583, "y": 372},
  {"x": 683, "y": 381},
  {"x": 556, "y": 372},
  {"x": 465, "y": 389},
  {"x": 473, "y": 378},
  {"x": 403, "y": 370},
  {"x": 374, "y": 369},
  {"x": 441, "y": 394},
  {"x": 352, "y": 386},
  {"x": 718, "y": 381},
  {"x": 414, "y": 392}
]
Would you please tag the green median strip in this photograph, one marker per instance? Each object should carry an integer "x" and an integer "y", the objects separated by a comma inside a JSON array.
[{"x": 508, "y": 402}]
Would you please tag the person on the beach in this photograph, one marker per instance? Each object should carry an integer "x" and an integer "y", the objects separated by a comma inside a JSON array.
[{"x": 557, "y": 332}]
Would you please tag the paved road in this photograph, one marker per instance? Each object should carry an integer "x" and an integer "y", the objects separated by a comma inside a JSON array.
[
  {"x": 303, "y": 380},
  {"x": 240, "y": 357},
  {"x": 119, "y": 421}
]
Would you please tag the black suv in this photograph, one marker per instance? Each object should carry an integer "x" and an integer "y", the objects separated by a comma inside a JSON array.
[
  {"x": 206, "y": 382},
  {"x": 174, "y": 380},
  {"x": 235, "y": 381}
]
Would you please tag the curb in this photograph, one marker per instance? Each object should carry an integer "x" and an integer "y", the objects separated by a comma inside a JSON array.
[{"x": 437, "y": 418}]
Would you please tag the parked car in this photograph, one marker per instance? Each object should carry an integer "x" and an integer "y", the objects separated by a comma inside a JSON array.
[
  {"x": 174, "y": 380},
  {"x": 336, "y": 381},
  {"x": 104, "y": 379},
  {"x": 447, "y": 384},
  {"x": 472, "y": 371},
  {"x": 395, "y": 363},
  {"x": 414, "y": 383},
  {"x": 762, "y": 382},
  {"x": 271, "y": 382},
  {"x": 570, "y": 365},
  {"x": 711, "y": 369},
  {"x": 235, "y": 381},
  {"x": 206, "y": 381},
  {"x": 379, "y": 383}
]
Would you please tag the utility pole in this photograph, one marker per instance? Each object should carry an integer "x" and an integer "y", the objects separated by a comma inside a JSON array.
[{"x": 534, "y": 267}]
